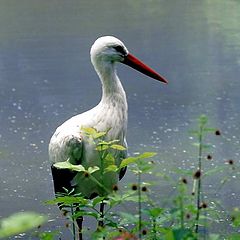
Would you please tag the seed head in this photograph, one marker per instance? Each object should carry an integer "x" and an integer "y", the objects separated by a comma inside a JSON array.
[
  {"x": 144, "y": 188},
  {"x": 217, "y": 133},
  {"x": 188, "y": 216},
  {"x": 230, "y": 162},
  {"x": 203, "y": 205},
  {"x": 209, "y": 157},
  {"x": 67, "y": 225},
  {"x": 134, "y": 187},
  {"x": 86, "y": 174},
  {"x": 184, "y": 180},
  {"x": 64, "y": 213},
  {"x": 144, "y": 232},
  {"x": 115, "y": 188},
  {"x": 197, "y": 174},
  {"x": 233, "y": 218}
]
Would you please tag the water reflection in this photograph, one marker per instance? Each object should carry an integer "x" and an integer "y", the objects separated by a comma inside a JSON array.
[{"x": 46, "y": 77}]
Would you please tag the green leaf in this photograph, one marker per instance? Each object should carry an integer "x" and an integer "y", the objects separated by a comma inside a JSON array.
[
  {"x": 128, "y": 218},
  {"x": 118, "y": 147},
  {"x": 206, "y": 146},
  {"x": 128, "y": 161},
  {"x": 48, "y": 235},
  {"x": 89, "y": 130},
  {"x": 111, "y": 168},
  {"x": 194, "y": 132},
  {"x": 67, "y": 200},
  {"x": 68, "y": 165},
  {"x": 102, "y": 147},
  {"x": 213, "y": 171},
  {"x": 234, "y": 236},
  {"x": 179, "y": 234},
  {"x": 93, "y": 169},
  {"x": 154, "y": 212},
  {"x": 215, "y": 236},
  {"x": 147, "y": 155},
  {"x": 210, "y": 130},
  {"x": 20, "y": 223},
  {"x": 99, "y": 134},
  {"x": 103, "y": 143},
  {"x": 82, "y": 213},
  {"x": 203, "y": 120},
  {"x": 135, "y": 198},
  {"x": 196, "y": 144},
  {"x": 109, "y": 159},
  {"x": 97, "y": 200},
  {"x": 236, "y": 217}
]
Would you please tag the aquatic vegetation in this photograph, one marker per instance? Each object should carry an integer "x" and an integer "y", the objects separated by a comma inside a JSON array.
[{"x": 185, "y": 214}]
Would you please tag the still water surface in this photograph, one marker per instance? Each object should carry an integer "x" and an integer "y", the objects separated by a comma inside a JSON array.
[{"x": 46, "y": 77}]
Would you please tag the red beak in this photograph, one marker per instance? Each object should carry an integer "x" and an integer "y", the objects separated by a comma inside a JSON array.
[{"x": 135, "y": 63}]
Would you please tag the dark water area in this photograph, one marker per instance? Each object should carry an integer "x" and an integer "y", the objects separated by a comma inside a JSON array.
[{"x": 46, "y": 77}]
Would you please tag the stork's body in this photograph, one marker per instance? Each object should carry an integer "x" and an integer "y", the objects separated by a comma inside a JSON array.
[{"x": 68, "y": 142}]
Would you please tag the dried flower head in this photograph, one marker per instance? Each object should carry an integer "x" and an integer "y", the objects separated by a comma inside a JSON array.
[
  {"x": 230, "y": 162},
  {"x": 197, "y": 174},
  {"x": 64, "y": 212},
  {"x": 134, "y": 187},
  {"x": 144, "y": 188},
  {"x": 67, "y": 225},
  {"x": 203, "y": 205},
  {"x": 217, "y": 133},
  {"x": 209, "y": 157},
  {"x": 86, "y": 174},
  {"x": 188, "y": 216},
  {"x": 115, "y": 188},
  {"x": 184, "y": 180},
  {"x": 144, "y": 232}
]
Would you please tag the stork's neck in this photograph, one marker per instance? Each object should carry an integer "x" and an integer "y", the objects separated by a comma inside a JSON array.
[
  {"x": 112, "y": 89},
  {"x": 112, "y": 108}
]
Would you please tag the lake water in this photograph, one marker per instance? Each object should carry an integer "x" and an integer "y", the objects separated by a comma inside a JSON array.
[{"x": 46, "y": 77}]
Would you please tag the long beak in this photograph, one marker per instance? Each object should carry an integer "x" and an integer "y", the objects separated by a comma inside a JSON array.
[{"x": 135, "y": 63}]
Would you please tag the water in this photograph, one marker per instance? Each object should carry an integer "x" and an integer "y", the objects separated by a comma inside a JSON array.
[{"x": 46, "y": 77}]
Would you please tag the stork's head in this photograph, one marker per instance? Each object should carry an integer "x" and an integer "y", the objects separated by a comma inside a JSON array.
[{"x": 109, "y": 49}]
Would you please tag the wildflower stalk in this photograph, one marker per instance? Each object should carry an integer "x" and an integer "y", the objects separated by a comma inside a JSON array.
[
  {"x": 139, "y": 206},
  {"x": 199, "y": 182},
  {"x": 182, "y": 212},
  {"x": 73, "y": 224},
  {"x": 154, "y": 228}
]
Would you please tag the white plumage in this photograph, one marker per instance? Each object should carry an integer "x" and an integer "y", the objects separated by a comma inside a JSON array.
[{"x": 68, "y": 141}]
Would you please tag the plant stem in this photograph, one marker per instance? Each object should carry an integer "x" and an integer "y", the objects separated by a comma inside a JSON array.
[
  {"x": 99, "y": 183},
  {"x": 182, "y": 211},
  {"x": 73, "y": 224},
  {"x": 154, "y": 229},
  {"x": 199, "y": 183},
  {"x": 139, "y": 207}
]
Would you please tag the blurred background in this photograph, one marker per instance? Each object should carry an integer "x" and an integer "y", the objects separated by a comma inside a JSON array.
[{"x": 46, "y": 77}]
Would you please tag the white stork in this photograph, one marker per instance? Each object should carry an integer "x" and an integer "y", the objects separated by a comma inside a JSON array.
[{"x": 68, "y": 141}]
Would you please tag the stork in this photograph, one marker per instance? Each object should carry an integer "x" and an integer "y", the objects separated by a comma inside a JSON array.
[{"x": 69, "y": 143}]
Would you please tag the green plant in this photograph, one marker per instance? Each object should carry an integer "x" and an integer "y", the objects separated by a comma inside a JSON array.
[
  {"x": 176, "y": 221},
  {"x": 19, "y": 223}
]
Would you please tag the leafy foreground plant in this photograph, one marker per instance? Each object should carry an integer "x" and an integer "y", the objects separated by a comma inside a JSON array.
[
  {"x": 19, "y": 223},
  {"x": 183, "y": 220},
  {"x": 145, "y": 213},
  {"x": 79, "y": 206}
]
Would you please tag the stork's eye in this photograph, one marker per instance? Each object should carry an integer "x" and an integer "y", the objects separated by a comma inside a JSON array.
[{"x": 120, "y": 49}]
